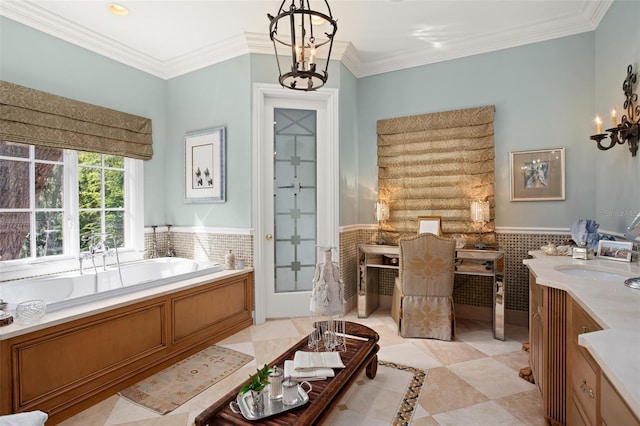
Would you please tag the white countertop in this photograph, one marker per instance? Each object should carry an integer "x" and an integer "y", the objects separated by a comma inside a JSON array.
[{"x": 615, "y": 307}]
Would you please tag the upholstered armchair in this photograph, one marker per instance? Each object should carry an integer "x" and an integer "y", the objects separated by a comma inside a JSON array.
[{"x": 422, "y": 302}]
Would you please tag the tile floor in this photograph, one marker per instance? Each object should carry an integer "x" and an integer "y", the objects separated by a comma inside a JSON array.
[{"x": 472, "y": 380}]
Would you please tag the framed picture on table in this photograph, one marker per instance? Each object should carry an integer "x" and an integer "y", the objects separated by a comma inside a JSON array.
[
  {"x": 429, "y": 224},
  {"x": 537, "y": 175},
  {"x": 204, "y": 153},
  {"x": 615, "y": 250}
]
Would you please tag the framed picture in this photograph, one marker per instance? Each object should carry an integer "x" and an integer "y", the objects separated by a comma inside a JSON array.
[
  {"x": 429, "y": 224},
  {"x": 615, "y": 250},
  {"x": 537, "y": 175},
  {"x": 204, "y": 153}
]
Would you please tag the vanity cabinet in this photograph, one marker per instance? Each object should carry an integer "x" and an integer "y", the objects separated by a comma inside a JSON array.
[
  {"x": 613, "y": 410},
  {"x": 583, "y": 390},
  {"x": 547, "y": 348}
]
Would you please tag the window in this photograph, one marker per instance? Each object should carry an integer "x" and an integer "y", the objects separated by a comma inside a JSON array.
[
  {"x": 51, "y": 198},
  {"x": 101, "y": 196}
]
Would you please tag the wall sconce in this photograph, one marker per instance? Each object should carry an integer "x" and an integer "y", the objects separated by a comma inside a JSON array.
[
  {"x": 381, "y": 211},
  {"x": 628, "y": 129},
  {"x": 300, "y": 37},
  {"x": 480, "y": 213}
]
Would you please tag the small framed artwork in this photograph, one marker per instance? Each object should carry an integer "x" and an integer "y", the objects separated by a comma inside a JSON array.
[
  {"x": 615, "y": 250},
  {"x": 205, "y": 166},
  {"x": 537, "y": 175},
  {"x": 429, "y": 224}
]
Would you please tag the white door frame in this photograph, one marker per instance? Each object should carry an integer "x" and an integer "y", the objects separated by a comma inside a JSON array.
[{"x": 328, "y": 208}]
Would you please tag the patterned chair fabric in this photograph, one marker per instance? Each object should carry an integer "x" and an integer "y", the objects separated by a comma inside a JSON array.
[{"x": 422, "y": 301}]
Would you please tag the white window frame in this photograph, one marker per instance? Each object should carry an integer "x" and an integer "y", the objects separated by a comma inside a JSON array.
[{"x": 133, "y": 232}]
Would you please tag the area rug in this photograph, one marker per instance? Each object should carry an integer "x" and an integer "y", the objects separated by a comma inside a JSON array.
[
  {"x": 168, "y": 389},
  {"x": 408, "y": 403},
  {"x": 390, "y": 397}
]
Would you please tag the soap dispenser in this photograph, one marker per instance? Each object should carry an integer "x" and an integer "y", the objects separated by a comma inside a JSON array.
[
  {"x": 582, "y": 251},
  {"x": 230, "y": 260}
]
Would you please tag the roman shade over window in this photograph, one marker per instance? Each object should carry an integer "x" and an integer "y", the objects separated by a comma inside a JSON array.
[
  {"x": 33, "y": 117},
  {"x": 435, "y": 165}
]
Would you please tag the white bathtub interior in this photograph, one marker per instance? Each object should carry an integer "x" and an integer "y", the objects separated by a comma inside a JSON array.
[{"x": 73, "y": 289}]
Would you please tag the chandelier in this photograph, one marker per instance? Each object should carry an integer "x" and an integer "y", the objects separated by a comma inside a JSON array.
[
  {"x": 628, "y": 129},
  {"x": 303, "y": 38}
]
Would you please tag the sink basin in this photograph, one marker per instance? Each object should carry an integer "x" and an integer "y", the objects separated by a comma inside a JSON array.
[{"x": 590, "y": 273}]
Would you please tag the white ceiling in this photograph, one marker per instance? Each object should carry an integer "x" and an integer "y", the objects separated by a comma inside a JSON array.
[{"x": 170, "y": 38}]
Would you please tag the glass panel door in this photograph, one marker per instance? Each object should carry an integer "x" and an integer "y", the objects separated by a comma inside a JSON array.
[{"x": 294, "y": 199}]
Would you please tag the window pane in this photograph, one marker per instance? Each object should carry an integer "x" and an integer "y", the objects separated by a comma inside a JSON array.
[
  {"x": 89, "y": 223},
  {"x": 49, "y": 185},
  {"x": 49, "y": 154},
  {"x": 113, "y": 188},
  {"x": 114, "y": 222},
  {"x": 48, "y": 233},
  {"x": 89, "y": 185},
  {"x": 14, "y": 186},
  {"x": 115, "y": 161},
  {"x": 14, "y": 236},
  {"x": 12, "y": 149},
  {"x": 89, "y": 158}
]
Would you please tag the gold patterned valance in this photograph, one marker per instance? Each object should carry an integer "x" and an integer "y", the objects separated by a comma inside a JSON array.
[
  {"x": 435, "y": 165},
  {"x": 33, "y": 117}
]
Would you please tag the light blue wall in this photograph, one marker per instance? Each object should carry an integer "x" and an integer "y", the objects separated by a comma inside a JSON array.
[
  {"x": 214, "y": 96},
  {"x": 617, "y": 44},
  {"x": 543, "y": 98},
  {"x": 34, "y": 59}
]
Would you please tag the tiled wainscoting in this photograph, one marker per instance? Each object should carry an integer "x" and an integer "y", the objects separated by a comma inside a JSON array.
[
  {"x": 469, "y": 291},
  {"x": 202, "y": 244}
]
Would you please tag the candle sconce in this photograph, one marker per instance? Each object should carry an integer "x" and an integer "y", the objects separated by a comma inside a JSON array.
[{"x": 628, "y": 129}]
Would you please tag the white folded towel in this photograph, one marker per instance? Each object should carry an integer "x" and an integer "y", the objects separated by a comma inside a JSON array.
[
  {"x": 31, "y": 418},
  {"x": 308, "y": 375},
  {"x": 311, "y": 360}
]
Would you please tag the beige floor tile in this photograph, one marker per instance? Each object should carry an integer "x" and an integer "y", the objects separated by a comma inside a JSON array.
[
  {"x": 274, "y": 329},
  {"x": 171, "y": 419},
  {"x": 491, "y": 377},
  {"x": 444, "y": 391},
  {"x": 424, "y": 421},
  {"x": 96, "y": 414},
  {"x": 452, "y": 352},
  {"x": 483, "y": 341},
  {"x": 483, "y": 414},
  {"x": 526, "y": 406},
  {"x": 409, "y": 354},
  {"x": 515, "y": 360},
  {"x": 268, "y": 350}
]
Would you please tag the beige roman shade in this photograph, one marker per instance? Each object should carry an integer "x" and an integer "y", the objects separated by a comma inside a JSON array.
[
  {"x": 435, "y": 165},
  {"x": 33, "y": 117}
]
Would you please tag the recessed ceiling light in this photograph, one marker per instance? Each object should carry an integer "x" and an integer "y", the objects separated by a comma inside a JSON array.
[
  {"x": 118, "y": 9},
  {"x": 437, "y": 44}
]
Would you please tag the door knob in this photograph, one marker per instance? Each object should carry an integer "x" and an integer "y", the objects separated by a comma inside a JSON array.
[{"x": 269, "y": 236}]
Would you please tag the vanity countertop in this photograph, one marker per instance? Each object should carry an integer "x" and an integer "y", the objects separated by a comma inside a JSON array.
[{"x": 615, "y": 307}]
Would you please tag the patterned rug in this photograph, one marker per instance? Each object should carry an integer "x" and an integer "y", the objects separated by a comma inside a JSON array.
[
  {"x": 408, "y": 403},
  {"x": 391, "y": 398},
  {"x": 168, "y": 389}
]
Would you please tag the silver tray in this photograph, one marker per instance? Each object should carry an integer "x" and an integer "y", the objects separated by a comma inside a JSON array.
[{"x": 242, "y": 405}]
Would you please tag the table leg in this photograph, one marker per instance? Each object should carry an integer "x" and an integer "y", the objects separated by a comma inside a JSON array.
[{"x": 372, "y": 367}]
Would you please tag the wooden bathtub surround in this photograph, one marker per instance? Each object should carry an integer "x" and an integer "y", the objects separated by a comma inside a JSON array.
[{"x": 66, "y": 368}]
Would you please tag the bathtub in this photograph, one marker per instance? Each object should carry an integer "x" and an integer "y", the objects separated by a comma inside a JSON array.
[{"x": 73, "y": 289}]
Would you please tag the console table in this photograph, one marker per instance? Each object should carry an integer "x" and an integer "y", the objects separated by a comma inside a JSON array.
[{"x": 372, "y": 258}]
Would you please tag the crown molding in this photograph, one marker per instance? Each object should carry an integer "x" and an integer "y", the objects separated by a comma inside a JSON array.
[{"x": 33, "y": 16}]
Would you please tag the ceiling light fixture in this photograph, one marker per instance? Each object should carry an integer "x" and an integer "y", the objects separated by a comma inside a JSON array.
[
  {"x": 301, "y": 36},
  {"x": 118, "y": 9},
  {"x": 629, "y": 128}
]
